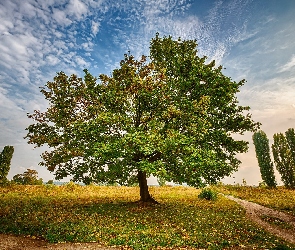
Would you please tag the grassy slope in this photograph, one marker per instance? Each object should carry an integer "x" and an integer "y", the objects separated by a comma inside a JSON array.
[
  {"x": 108, "y": 215},
  {"x": 280, "y": 198}
]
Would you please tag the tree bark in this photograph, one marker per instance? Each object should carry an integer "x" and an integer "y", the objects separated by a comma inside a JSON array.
[{"x": 144, "y": 189}]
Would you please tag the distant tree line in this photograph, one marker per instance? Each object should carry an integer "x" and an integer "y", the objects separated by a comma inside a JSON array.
[
  {"x": 283, "y": 149},
  {"x": 29, "y": 177}
]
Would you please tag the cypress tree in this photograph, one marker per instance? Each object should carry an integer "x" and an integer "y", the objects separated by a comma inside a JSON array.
[
  {"x": 5, "y": 160},
  {"x": 265, "y": 163},
  {"x": 284, "y": 156}
]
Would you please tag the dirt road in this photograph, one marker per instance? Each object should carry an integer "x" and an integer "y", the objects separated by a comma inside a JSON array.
[
  {"x": 10, "y": 242},
  {"x": 255, "y": 211}
]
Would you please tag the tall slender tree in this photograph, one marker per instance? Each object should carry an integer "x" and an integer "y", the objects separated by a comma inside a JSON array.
[
  {"x": 5, "y": 160},
  {"x": 172, "y": 117},
  {"x": 265, "y": 163},
  {"x": 290, "y": 136},
  {"x": 283, "y": 157}
]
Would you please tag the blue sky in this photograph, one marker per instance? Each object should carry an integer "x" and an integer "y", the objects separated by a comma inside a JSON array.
[{"x": 253, "y": 40}]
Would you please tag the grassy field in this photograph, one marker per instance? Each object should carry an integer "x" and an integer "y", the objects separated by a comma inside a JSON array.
[
  {"x": 110, "y": 215},
  {"x": 279, "y": 198}
]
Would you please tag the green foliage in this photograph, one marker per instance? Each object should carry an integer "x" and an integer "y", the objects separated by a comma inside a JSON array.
[
  {"x": 290, "y": 136},
  {"x": 29, "y": 177},
  {"x": 283, "y": 149},
  {"x": 110, "y": 216},
  {"x": 161, "y": 181},
  {"x": 208, "y": 194},
  {"x": 262, "y": 150},
  {"x": 173, "y": 116},
  {"x": 5, "y": 160}
]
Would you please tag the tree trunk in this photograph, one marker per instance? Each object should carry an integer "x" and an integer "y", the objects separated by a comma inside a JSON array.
[{"x": 144, "y": 189}]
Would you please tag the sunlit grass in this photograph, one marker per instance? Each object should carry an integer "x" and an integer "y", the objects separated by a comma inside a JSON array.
[
  {"x": 279, "y": 198},
  {"x": 111, "y": 216}
]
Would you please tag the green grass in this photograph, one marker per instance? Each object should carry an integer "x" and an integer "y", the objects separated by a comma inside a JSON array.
[
  {"x": 280, "y": 198},
  {"x": 111, "y": 216}
]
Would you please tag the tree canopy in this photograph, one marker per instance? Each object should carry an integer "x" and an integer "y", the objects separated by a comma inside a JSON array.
[{"x": 171, "y": 116}]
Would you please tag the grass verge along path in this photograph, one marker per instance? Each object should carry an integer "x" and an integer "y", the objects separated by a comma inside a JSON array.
[{"x": 279, "y": 198}]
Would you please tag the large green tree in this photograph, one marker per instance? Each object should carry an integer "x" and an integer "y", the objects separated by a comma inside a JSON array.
[
  {"x": 5, "y": 160},
  {"x": 283, "y": 149},
  {"x": 172, "y": 116},
  {"x": 262, "y": 150}
]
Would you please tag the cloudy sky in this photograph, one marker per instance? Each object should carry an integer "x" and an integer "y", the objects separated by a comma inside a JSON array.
[{"x": 253, "y": 40}]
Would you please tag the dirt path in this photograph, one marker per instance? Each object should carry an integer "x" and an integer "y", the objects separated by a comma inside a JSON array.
[
  {"x": 255, "y": 211},
  {"x": 10, "y": 242}
]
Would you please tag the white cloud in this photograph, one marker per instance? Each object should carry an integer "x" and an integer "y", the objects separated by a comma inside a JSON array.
[
  {"x": 81, "y": 62},
  {"x": 14, "y": 117},
  {"x": 166, "y": 17},
  {"x": 11, "y": 44},
  {"x": 61, "y": 17},
  {"x": 52, "y": 60},
  {"x": 58, "y": 34},
  {"x": 274, "y": 94},
  {"x": 5, "y": 26},
  {"x": 289, "y": 65},
  {"x": 27, "y": 9},
  {"x": 88, "y": 46},
  {"x": 4, "y": 101},
  {"x": 95, "y": 27},
  {"x": 59, "y": 47},
  {"x": 77, "y": 9}
]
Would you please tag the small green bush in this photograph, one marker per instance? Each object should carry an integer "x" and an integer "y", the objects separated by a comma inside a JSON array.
[
  {"x": 208, "y": 194},
  {"x": 262, "y": 184}
]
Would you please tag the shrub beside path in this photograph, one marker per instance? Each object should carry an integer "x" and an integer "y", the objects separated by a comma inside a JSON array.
[{"x": 255, "y": 211}]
